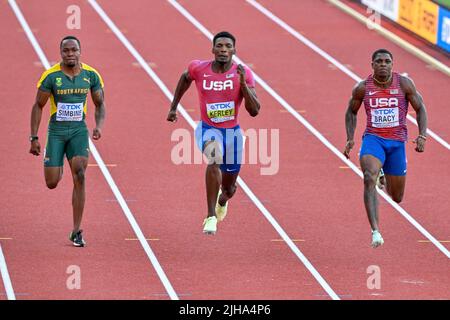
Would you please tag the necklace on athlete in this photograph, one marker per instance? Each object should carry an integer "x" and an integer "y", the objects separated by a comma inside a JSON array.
[{"x": 383, "y": 82}]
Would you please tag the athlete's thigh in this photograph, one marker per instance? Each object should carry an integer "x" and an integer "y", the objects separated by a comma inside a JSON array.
[
  {"x": 395, "y": 164},
  {"x": 78, "y": 143},
  {"x": 55, "y": 148},
  {"x": 229, "y": 179},
  {"x": 233, "y": 146},
  {"x": 395, "y": 169},
  {"x": 395, "y": 185},
  {"x": 53, "y": 175},
  {"x": 212, "y": 149},
  {"x": 210, "y": 141},
  {"x": 372, "y": 155}
]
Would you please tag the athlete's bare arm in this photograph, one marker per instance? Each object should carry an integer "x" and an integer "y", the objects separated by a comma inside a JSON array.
[
  {"x": 99, "y": 100},
  {"x": 251, "y": 100},
  {"x": 183, "y": 84},
  {"x": 36, "y": 115},
  {"x": 351, "y": 115},
  {"x": 415, "y": 98}
]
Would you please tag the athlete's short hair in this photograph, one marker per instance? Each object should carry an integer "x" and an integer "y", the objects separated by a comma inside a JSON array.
[
  {"x": 224, "y": 34},
  {"x": 382, "y": 51},
  {"x": 70, "y": 38}
]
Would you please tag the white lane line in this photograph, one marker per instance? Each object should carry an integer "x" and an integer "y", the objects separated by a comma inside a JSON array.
[
  {"x": 316, "y": 133},
  {"x": 243, "y": 185},
  {"x": 129, "y": 215},
  {"x": 304, "y": 40},
  {"x": 332, "y": 60},
  {"x": 5, "y": 277}
]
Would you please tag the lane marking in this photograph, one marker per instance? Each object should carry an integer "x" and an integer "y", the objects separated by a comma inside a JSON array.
[
  {"x": 193, "y": 124},
  {"x": 281, "y": 240},
  {"x": 96, "y": 165},
  {"x": 340, "y": 295},
  {"x": 165, "y": 294},
  {"x": 286, "y": 111},
  {"x": 151, "y": 64},
  {"x": 137, "y": 230},
  {"x": 329, "y": 58},
  {"x": 18, "y": 294},
  {"x": 315, "y": 132},
  {"x": 5, "y": 277},
  {"x": 32, "y": 30},
  {"x": 134, "y": 239},
  {"x": 419, "y": 282},
  {"x": 122, "y": 30}
]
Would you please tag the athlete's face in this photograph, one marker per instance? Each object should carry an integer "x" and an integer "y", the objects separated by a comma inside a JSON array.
[
  {"x": 223, "y": 50},
  {"x": 382, "y": 65},
  {"x": 70, "y": 52}
]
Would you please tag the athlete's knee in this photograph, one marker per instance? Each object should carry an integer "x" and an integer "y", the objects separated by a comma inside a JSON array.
[
  {"x": 213, "y": 170},
  {"x": 79, "y": 175},
  {"x": 370, "y": 178},
  {"x": 397, "y": 197},
  {"x": 51, "y": 184},
  {"x": 52, "y": 176},
  {"x": 229, "y": 190}
]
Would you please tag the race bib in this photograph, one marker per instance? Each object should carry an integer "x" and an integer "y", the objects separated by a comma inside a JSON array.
[
  {"x": 385, "y": 117},
  {"x": 69, "y": 112},
  {"x": 220, "y": 111}
]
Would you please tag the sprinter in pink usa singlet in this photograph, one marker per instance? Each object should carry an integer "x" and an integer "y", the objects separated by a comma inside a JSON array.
[
  {"x": 222, "y": 86},
  {"x": 219, "y": 94},
  {"x": 386, "y": 109}
]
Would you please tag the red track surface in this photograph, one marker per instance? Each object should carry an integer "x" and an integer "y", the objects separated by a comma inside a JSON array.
[{"x": 311, "y": 197}]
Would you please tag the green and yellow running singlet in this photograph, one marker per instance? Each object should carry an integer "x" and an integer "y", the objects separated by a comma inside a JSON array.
[{"x": 69, "y": 96}]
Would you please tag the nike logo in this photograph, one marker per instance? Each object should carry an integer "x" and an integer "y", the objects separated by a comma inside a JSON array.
[
  {"x": 371, "y": 93},
  {"x": 228, "y": 76},
  {"x": 207, "y": 75},
  {"x": 228, "y": 170}
]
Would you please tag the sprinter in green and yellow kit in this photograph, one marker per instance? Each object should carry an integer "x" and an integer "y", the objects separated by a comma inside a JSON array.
[{"x": 67, "y": 84}]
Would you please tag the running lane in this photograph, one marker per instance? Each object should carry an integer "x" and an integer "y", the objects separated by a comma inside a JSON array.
[
  {"x": 336, "y": 235},
  {"x": 241, "y": 261},
  {"x": 37, "y": 221}
]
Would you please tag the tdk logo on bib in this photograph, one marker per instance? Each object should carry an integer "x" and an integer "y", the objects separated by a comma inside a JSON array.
[
  {"x": 221, "y": 106},
  {"x": 385, "y": 118},
  {"x": 383, "y": 102},
  {"x": 217, "y": 85}
]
